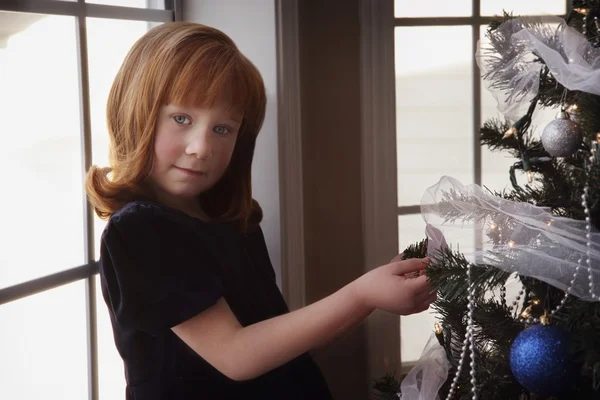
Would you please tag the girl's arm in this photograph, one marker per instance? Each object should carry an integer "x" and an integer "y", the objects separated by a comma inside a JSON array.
[{"x": 243, "y": 353}]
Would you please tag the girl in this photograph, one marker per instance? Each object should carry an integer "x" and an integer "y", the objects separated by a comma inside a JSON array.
[{"x": 184, "y": 269}]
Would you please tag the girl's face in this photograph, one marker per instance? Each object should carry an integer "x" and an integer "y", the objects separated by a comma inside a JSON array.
[{"x": 193, "y": 147}]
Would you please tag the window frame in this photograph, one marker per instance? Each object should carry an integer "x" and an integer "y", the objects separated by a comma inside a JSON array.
[{"x": 81, "y": 10}]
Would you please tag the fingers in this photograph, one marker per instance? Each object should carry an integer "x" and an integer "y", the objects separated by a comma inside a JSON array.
[
  {"x": 423, "y": 305},
  {"x": 418, "y": 285},
  {"x": 428, "y": 297},
  {"x": 399, "y": 257},
  {"x": 410, "y": 265},
  {"x": 412, "y": 275},
  {"x": 424, "y": 291}
]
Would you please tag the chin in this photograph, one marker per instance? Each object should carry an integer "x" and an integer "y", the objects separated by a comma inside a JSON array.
[{"x": 186, "y": 192}]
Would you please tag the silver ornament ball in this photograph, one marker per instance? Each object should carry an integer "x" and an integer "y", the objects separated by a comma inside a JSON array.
[{"x": 562, "y": 137}]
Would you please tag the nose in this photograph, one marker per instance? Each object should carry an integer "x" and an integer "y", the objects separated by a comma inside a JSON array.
[{"x": 199, "y": 145}]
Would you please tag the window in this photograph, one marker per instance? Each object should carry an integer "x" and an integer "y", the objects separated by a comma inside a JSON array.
[
  {"x": 55, "y": 73},
  {"x": 441, "y": 103}
]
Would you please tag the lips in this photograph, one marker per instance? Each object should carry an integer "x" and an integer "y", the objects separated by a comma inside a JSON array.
[{"x": 189, "y": 171}]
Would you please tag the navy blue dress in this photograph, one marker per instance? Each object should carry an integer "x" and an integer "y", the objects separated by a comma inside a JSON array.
[{"x": 158, "y": 268}]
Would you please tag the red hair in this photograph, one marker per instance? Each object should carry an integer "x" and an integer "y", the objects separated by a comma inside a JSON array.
[{"x": 188, "y": 64}]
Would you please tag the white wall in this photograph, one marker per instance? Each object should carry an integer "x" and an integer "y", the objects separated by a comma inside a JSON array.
[{"x": 251, "y": 25}]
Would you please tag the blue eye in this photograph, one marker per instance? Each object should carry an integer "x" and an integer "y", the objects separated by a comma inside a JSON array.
[
  {"x": 221, "y": 130},
  {"x": 181, "y": 120}
]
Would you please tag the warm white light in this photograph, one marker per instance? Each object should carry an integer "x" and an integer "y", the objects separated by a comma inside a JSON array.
[{"x": 509, "y": 132}]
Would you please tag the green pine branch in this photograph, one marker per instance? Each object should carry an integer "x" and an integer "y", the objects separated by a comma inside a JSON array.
[{"x": 449, "y": 268}]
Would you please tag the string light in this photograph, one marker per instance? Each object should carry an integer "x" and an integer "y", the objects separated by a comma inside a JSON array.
[
  {"x": 526, "y": 313},
  {"x": 530, "y": 176},
  {"x": 509, "y": 132},
  {"x": 516, "y": 126},
  {"x": 583, "y": 11}
]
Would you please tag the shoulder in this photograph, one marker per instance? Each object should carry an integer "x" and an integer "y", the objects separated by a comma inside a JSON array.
[
  {"x": 141, "y": 210},
  {"x": 145, "y": 235},
  {"x": 155, "y": 270},
  {"x": 145, "y": 218}
]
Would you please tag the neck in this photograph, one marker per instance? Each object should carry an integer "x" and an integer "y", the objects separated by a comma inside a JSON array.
[{"x": 190, "y": 206}]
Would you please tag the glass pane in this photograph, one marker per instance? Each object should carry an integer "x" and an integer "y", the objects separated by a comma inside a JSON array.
[
  {"x": 434, "y": 107},
  {"x": 495, "y": 165},
  {"x": 42, "y": 222},
  {"x": 43, "y": 342},
  {"x": 414, "y": 329},
  {"x": 433, "y": 8},
  {"x": 154, "y": 4},
  {"x": 523, "y": 7},
  {"x": 111, "y": 373},
  {"x": 104, "y": 62}
]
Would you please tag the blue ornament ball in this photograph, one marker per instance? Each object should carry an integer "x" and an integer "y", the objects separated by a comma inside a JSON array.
[{"x": 540, "y": 360}]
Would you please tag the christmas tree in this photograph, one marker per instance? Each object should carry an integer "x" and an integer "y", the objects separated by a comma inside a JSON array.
[{"x": 543, "y": 341}]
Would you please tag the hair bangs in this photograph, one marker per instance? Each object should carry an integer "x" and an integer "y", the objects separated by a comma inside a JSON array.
[{"x": 218, "y": 75}]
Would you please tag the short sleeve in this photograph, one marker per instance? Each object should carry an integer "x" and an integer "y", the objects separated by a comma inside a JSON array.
[{"x": 156, "y": 272}]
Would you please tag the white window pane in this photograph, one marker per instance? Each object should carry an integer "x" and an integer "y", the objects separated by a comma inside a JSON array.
[
  {"x": 42, "y": 226},
  {"x": 152, "y": 4},
  {"x": 43, "y": 346},
  {"x": 433, "y": 8},
  {"x": 155, "y": 4},
  {"x": 434, "y": 107},
  {"x": 523, "y": 7},
  {"x": 411, "y": 230},
  {"x": 495, "y": 165}
]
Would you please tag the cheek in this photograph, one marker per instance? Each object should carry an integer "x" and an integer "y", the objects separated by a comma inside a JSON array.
[
  {"x": 165, "y": 149},
  {"x": 228, "y": 153}
]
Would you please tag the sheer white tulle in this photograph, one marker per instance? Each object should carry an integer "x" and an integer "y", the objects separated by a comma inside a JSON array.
[
  {"x": 425, "y": 379},
  {"x": 570, "y": 58},
  {"x": 536, "y": 242}
]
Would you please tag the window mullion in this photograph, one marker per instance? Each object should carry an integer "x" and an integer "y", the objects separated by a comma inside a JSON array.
[{"x": 88, "y": 217}]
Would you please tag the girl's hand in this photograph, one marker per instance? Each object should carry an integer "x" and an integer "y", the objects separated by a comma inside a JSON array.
[{"x": 387, "y": 288}]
